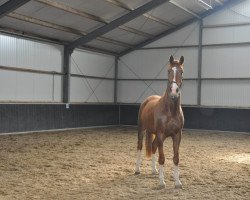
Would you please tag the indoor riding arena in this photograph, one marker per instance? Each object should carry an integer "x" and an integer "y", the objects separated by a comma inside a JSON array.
[{"x": 124, "y": 99}]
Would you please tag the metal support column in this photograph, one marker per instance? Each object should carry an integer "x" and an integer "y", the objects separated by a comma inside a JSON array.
[
  {"x": 199, "y": 63},
  {"x": 115, "y": 81},
  {"x": 66, "y": 76}
]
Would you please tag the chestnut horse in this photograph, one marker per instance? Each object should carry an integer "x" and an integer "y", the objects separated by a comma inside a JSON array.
[{"x": 161, "y": 117}]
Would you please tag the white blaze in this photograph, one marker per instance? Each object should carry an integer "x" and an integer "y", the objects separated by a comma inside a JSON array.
[{"x": 174, "y": 85}]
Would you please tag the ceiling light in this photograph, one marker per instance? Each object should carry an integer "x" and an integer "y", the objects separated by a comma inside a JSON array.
[{"x": 205, "y": 4}]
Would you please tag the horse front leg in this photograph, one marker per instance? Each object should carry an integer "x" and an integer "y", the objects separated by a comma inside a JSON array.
[
  {"x": 176, "y": 144},
  {"x": 160, "y": 139}
]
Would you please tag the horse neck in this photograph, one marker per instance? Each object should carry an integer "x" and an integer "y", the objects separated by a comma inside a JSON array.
[{"x": 173, "y": 106}]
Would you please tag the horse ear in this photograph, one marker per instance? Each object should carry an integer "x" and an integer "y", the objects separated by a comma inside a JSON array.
[
  {"x": 171, "y": 59},
  {"x": 181, "y": 60}
]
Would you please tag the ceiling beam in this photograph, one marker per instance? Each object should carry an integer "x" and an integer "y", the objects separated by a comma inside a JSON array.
[
  {"x": 126, "y": 7},
  {"x": 63, "y": 28},
  {"x": 10, "y": 6},
  {"x": 185, "y": 9},
  {"x": 184, "y": 24},
  {"x": 84, "y": 14},
  {"x": 116, "y": 23}
]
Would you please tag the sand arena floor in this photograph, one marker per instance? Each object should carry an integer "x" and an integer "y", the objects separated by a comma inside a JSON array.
[{"x": 99, "y": 164}]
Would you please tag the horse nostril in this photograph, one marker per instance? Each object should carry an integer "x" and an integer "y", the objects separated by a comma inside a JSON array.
[{"x": 177, "y": 90}]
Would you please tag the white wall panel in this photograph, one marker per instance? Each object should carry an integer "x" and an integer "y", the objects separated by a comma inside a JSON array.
[
  {"x": 189, "y": 92},
  {"x": 81, "y": 90},
  {"x": 131, "y": 91},
  {"x": 236, "y": 14},
  {"x": 186, "y": 36},
  {"x": 137, "y": 91},
  {"x": 226, "y": 35},
  {"x": 148, "y": 63},
  {"x": 221, "y": 62},
  {"x": 92, "y": 64},
  {"x": 18, "y": 52},
  {"x": 20, "y": 86},
  {"x": 226, "y": 93}
]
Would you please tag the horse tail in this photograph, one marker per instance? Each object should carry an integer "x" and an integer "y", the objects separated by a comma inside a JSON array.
[
  {"x": 140, "y": 131},
  {"x": 148, "y": 144}
]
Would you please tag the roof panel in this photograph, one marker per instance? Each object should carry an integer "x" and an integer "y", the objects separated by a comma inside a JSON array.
[
  {"x": 99, "y": 8},
  {"x": 134, "y": 3},
  {"x": 106, "y": 46},
  {"x": 57, "y": 16},
  {"x": 77, "y": 22},
  {"x": 36, "y": 29},
  {"x": 171, "y": 13},
  {"x": 3, "y": 2},
  {"x": 124, "y": 36},
  {"x": 29, "y": 8},
  {"x": 147, "y": 25}
]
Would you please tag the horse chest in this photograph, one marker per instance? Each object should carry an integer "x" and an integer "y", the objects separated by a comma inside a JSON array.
[{"x": 169, "y": 124}]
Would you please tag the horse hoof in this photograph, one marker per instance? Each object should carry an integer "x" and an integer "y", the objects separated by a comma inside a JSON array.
[
  {"x": 179, "y": 186},
  {"x": 137, "y": 173},
  {"x": 154, "y": 172},
  {"x": 162, "y": 185}
]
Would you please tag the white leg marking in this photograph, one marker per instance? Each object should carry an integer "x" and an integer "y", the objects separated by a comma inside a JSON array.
[
  {"x": 176, "y": 177},
  {"x": 138, "y": 162},
  {"x": 161, "y": 175},
  {"x": 154, "y": 170}
]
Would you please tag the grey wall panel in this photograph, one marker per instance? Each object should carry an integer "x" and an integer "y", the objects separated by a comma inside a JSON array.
[
  {"x": 21, "y": 86},
  {"x": 185, "y": 36},
  {"x": 189, "y": 92},
  {"x": 232, "y": 93},
  {"x": 137, "y": 91},
  {"x": 219, "y": 62},
  {"x": 148, "y": 63},
  {"x": 81, "y": 90},
  {"x": 18, "y": 52},
  {"x": 130, "y": 91},
  {"x": 92, "y": 64},
  {"x": 226, "y": 35}
]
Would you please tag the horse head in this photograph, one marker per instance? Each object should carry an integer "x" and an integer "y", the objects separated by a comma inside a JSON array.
[{"x": 175, "y": 72}]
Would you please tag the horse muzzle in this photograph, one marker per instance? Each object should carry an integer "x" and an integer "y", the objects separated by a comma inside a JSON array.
[{"x": 174, "y": 90}]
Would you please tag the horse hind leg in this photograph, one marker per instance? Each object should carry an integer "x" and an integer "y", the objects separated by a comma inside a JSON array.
[
  {"x": 154, "y": 158},
  {"x": 139, "y": 151}
]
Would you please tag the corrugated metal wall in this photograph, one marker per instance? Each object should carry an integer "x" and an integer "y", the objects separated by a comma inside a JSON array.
[
  {"x": 17, "y": 86},
  {"x": 92, "y": 90},
  {"x": 151, "y": 64},
  {"x": 23, "y": 86},
  {"x": 225, "y": 62}
]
